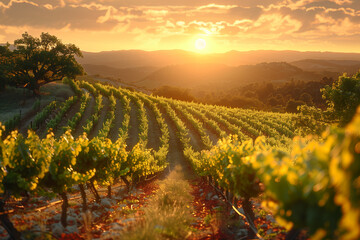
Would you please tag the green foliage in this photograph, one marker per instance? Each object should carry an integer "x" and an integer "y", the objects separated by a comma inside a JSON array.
[
  {"x": 298, "y": 187},
  {"x": 312, "y": 120},
  {"x": 228, "y": 162},
  {"x": 52, "y": 124},
  {"x": 74, "y": 85},
  {"x": 144, "y": 125},
  {"x": 104, "y": 158},
  {"x": 61, "y": 175},
  {"x": 345, "y": 175},
  {"x": 37, "y": 61},
  {"x": 214, "y": 124},
  {"x": 174, "y": 92},
  {"x": 141, "y": 162},
  {"x": 41, "y": 116},
  {"x": 343, "y": 97},
  {"x": 72, "y": 123},
  {"x": 316, "y": 186},
  {"x": 26, "y": 160},
  {"x": 110, "y": 117},
  {"x": 222, "y": 120},
  {"x": 141, "y": 115},
  {"x": 89, "y": 87},
  {"x": 12, "y": 123},
  {"x": 196, "y": 124},
  {"x": 90, "y": 123}
]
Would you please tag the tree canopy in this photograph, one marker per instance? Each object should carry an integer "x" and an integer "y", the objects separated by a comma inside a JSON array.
[
  {"x": 37, "y": 61},
  {"x": 343, "y": 97}
]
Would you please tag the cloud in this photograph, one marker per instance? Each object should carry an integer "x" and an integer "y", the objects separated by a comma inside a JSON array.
[
  {"x": 23, "y": 13},
  {"x": 160, "y": 20}
]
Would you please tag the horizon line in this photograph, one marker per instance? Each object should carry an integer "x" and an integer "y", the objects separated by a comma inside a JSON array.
[{"x": 210, "y": 53}]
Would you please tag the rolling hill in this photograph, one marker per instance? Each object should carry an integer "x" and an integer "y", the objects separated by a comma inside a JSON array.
[
  {"x": 218, "y": 71},
  {"x": 328, "y": 66},
  {"x": 221, "y": 77}
]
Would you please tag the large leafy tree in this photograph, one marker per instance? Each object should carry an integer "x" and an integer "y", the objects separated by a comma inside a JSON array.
[
  {"x": 38, "y": 61},
  {"x": 343, "y": 97}
]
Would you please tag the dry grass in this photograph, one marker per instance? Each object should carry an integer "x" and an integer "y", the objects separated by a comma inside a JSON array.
[
  {"x": 14, "y": 100},
  {"x": 168, "y": 214}
]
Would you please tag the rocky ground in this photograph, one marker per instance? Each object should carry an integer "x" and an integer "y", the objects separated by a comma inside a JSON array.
[{"x": 212, "y": 217}]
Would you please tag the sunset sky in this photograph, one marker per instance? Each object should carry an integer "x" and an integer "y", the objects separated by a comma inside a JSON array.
[{"x": 225, "y": 25}]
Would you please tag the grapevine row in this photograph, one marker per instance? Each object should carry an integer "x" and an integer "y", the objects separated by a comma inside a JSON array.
[
  {"x": 90, "y": 123},
  {"x": 72, "y": 123},
  {"x": 313, "y": 187},
  {"x": 202, "y": 117},
  {"x": 52, "y": 124},
  {"x": 195, "y": 123}
]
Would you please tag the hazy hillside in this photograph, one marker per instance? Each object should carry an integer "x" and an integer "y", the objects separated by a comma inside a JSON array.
[
  {"x": 335, "y": 66},
  {"x": 138, "y": 58},
  {"x": 221, "y": 77},
  {"x": 124, "y": 74},
  {"x": 216, "y": 71}
]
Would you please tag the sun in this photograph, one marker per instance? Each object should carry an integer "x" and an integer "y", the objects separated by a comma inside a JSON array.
[{"x": 200, "y": 44}]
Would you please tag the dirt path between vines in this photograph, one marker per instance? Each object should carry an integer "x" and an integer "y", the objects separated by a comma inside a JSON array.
[
  {"x": 102, "y": 118},
  {"x": 195, "y": 138},
  {"x": 86, "y": 115},
  {"x": 214, "y": 137},
  {"x": 204, "y": 201},
  {"x": 133, "y": 138},
  {"x": 154, "y": 132},
  {"x": 67, "y": 116},
  {"x": 175, "y": 156},
  {"x": 117, "y": 123}
]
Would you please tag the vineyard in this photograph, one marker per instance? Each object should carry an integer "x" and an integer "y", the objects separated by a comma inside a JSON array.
[{"x": 111, "y": 138}]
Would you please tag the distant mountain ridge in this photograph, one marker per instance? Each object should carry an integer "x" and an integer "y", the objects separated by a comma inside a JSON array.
[
  {"x": 220, "y": 71},
  {"x": 139, "y": 58}
]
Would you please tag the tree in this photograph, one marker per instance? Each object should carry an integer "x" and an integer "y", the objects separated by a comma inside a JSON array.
[
  {"x": 174, "y": 92},
  {"x": 264, "y": 92},
  {"x": 343, "y": 97},
  {"x": 38, "y": 61},
  {"x": 307, "y": 98},
  {"x": 292, "y": 105},
  {"x": 5, "y": 65}
]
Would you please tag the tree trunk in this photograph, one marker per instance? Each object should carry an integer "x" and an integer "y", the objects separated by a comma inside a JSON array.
[
  {"x": 7, "y": 224},
  {"x": 34, "y": 86},
  {"x": 95, "y": 192},
  {"x": 64, "y": 207},
  {"x": 249, "y": 215},
  {"x": 126, "y": 182},
  {"x": 109, "y": 191},
  {"x": 83, "y": 196}
]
